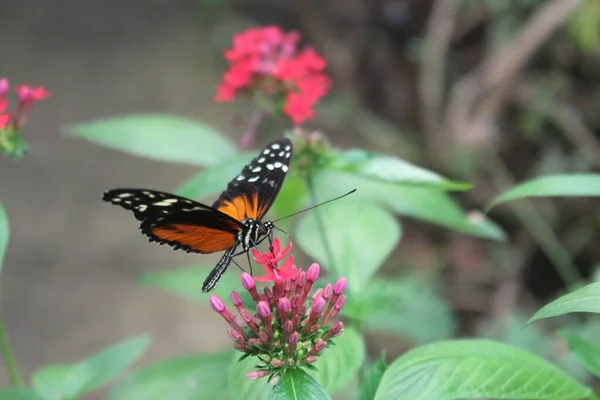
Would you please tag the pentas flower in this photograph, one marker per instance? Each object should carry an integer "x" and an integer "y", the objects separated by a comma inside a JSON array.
[
  {"x": 267, "y": 62},
  {"x": 10, "y": 124},
  {"x": 289, "y": 327}
]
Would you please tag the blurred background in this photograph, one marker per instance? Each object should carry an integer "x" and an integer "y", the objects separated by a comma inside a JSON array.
[{"x": 488, "y": 91}]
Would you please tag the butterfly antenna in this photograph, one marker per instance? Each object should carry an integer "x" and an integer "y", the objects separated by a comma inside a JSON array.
[{"x": 315, "y": 206}]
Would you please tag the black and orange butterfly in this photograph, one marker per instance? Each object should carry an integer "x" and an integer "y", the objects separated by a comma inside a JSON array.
[{"x": 234, "y": 220}]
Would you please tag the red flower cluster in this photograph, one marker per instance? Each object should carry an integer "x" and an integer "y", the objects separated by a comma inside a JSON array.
[
  {"x": 291, "y": 327},
  {"x": 27, "y": 97},
  {"x": 267, "y": 61},
  {"x": 11, "y": 142}
]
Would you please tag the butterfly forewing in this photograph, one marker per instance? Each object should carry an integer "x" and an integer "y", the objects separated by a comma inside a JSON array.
[
  {"x": 252, "y": 193},
  {"x": 179, "y": 222}
]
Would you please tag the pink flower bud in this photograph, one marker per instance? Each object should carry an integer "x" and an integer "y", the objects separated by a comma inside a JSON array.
[
  {"x": 216, "y": 303},
  {"x": 4, "y": 87},
  {"x": 256, "y": 374},
  {"x": 318, "y": 347},
  {"x": 301, "y": 279},
  {"x": 293, "y": 340},
  {"x": 340, "y": 286},
  {"x": 284, "y": 305},
  {"x": 312, "y": 274},
  {"x": 234, "y": 335},
  {"x": 277, "y": 363},
  {"x": 318, "y": 305},
  {"x": 328, "y": 291},
  {"x": 311, "y": 359},
  {"x": 263, "y": 309},
  {"x": 318, "y": 293},
  {"x": 247, "y": 281},
  {"x": 235, "y": 297},
  {"x": 339, "y": 304},
  {"x": 337, "y": 328}
]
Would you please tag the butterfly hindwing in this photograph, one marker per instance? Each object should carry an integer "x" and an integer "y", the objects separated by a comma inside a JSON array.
[{"x": 252, "y": 193}]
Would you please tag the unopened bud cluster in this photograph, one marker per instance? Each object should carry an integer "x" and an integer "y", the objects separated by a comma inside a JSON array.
[{"x": 290, "y": 327}]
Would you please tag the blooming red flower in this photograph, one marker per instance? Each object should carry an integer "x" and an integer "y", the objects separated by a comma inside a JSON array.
[
  {"x": 290, "y": 328},
  {"x": 269, "y": 260},
  {"x": 266, "y": 61}
]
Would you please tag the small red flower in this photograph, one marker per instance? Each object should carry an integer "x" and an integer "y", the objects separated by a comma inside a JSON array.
[
  {"x": 267, "y": 61},
  {"x": 269, "y": 260}
]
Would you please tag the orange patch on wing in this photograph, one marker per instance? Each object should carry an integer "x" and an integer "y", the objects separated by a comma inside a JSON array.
[
  {"x": 200, "y": 238},
  {"x": 241, "y": 207}
]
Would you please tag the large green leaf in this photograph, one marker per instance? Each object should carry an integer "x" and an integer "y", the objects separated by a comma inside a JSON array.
[
  {"x": 71, "y": 381},
  {"x": 242, "y": 388},
  {"x": 295, "y": 384},
  {"x": 359, "y": 235},
  {"x": 586, "y": 351},
  {"x": 187, "y": 378},
  {"x": 375, "y": 166},
  {"x": 427, "y": 204},
  {"x": 213, "y": 180},
  {"x": 4, "y": 234},
  {"x": 19, "y": 394},
  {"x": 585, "y": 299},
  {"x": 291, "y": 198},
  {"x": 187, "y": 282},
  {"x": 475, "y": 368},
  {"x": 158, "y": 137},
  {"x": 372, "y": 380},
  {"x": 407, "y": 307},
  {"x": 338, "y": 364},
  {"x": 575, "y": 185}
]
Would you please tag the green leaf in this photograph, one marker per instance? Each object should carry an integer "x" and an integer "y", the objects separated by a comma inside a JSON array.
[
  {"x": 19, "y": 394},
  {"x": 50, "y": 381},
  {"x": 371, "y": 382},
  {"x": 375, "y": 166},
  {"x": 187, "y": 282},
  {"x": 159, "y": 137},
  {"x": 213, "y": 180},
  {"x": 407, "y": 307},
  {"x": 338, "y": 364},
  {"x": 295, "y": 384},
  {"x": 4, "y": 234},
  {"x": 585, "y": 299},
  {"x": 242, "y": 388},
  {"x": 360, "y": 236},
  {"x": 575, "y": 185},
  {"x": 586, "y": 351},
  {"x": 187, "y": 378},
  {"x": 71, "y": 381},
  {"x": 430, "y": 205},
  {"x": 291, "y": 198},
  {"x": 475, "y": 368}
]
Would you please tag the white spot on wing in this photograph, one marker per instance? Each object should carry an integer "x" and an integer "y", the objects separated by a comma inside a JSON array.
[
  {"x": 270, "y": 167},
  {"x": 240, "y": 178},
  {"x": 266, "y": 151},
  {"x": 254, "y": 178},
  {"x": 281, "y": 153},
  {"x": 261, "y": 160},
  {"x": 284, "y": 168},
  {"x": 278, "y": 164},
  {"x": 123, "y": 195},
  {"x": 257, "y": 169},
  {"x": 288, "y": 148},
  {"x": 165, "y": 202},
  {"x": 288, "y": 154},
  {"x": 142, "y": 207},
  {"x": 275, "y": 146}
]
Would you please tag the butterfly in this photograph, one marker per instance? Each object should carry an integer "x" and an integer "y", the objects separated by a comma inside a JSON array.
[{"x": 233, "y": 221}]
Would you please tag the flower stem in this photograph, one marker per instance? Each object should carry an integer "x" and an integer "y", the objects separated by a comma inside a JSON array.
[
  {"x": 320, "y": 223},
  {"x": 9, "y": 359}
]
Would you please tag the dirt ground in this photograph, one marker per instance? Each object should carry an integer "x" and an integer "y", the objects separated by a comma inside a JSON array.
[{"x": 68, "y": 285}]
